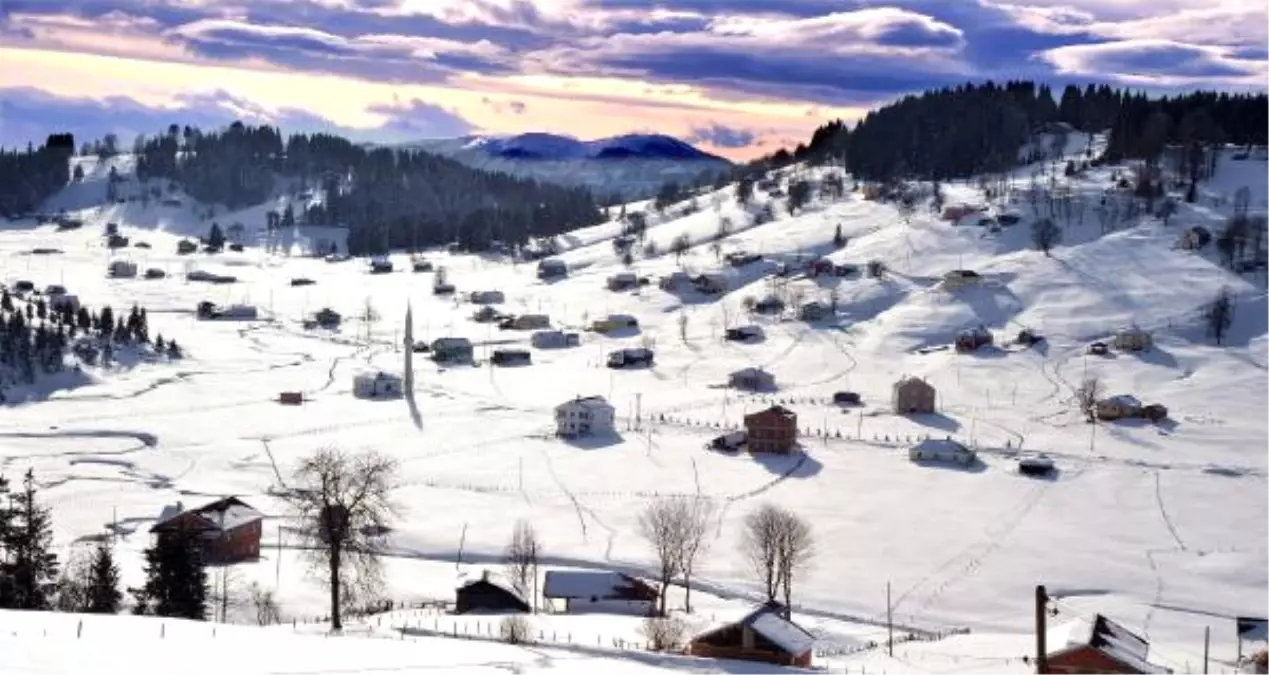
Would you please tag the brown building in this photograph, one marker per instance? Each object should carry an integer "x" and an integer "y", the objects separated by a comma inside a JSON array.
[
  {"x": 913, "y": 395},
  {"x": 228, "y": 529},
  {"x": 763, "y": 635},
  {"x": 772, "y": 430},
  {"x": 489, "y": 593},
  {"x": 1097, "y": 645}
]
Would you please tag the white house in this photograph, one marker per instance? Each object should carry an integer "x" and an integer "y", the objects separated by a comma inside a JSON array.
[
  {"x": 587, "y": 416},
  {"x": 941, "y": 450},
  {"x": 377, "y": 385}
]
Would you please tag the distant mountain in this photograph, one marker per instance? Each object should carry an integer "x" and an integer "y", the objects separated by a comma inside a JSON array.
[{"x": 626, "y": 167}]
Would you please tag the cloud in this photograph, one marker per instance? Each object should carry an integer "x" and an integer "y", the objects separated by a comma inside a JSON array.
[
  {"x": 414, "y": 119},
  {"x": 723, "y": 137},
  {"x": 1155, "y": 61},
  {"x": 504, "y": 107}
]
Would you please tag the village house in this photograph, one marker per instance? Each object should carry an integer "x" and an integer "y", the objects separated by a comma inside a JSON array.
[
  {"x": 957, "y": 279},
  {"x": 554, "y": 339},
  {"x": 486, "y": 297},
  {"x": 1123, "y": 406},
  {"x": 912, "y": 395},
  {"x": 943, "y": 450},
  {"x": 588, "y": 416},
  {"x": 772, "y": 430},
  {"x": 622, "y": 280},
  {"x": 752, "y": 379},
  {"x": 380, "y": 265},
  {"x": 526, "y": 322},
  {"x": 376, "y": 385},
  {"x": 599, "y": 591},
  {"x": 1096, "y": 645},
  {"x": 970, "y": 339},
  {"x": 614, "y": 322},
  {"x": 673, "y": 281},
  {"x": 711, "y": 283},
  {"x": 122, "y": 269},
  {"x": 814, "y": 311},
  {"x": 1133, "y": 339},
  {"x": 489, "y": 593},
  {"x": 744, "y": 333},
  {"x": 228, "y": 529},
  {"x": 763, "y": 635},
  {"x": 511, "y": 357},
  {"x": 452, "y": 349},
  {"x": 552, "y": 268},
  {"x": 635, "y": 356}
]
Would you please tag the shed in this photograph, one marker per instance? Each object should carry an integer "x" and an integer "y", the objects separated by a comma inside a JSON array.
[
  {"x": 614, "y": 322},
  {"x": 752, "y": 379},
  {"x": 913, "y": 395},
  {"x": 772, "y": 430},
  {"x": 228, "y": 529},
  {"x": 622, "y": 280},
  {"x": 552, "y": 268},
  {"x": 763, "y": 635},
  {"x": 1097, "y": 645},
  {"x": 487, "y": 297},
  {"x": 1118, "y": 407},
  {"x": 511, "y": 357},
  {"x": 943, "y": 450},
  {"x": 1133, "y": 339},
  {"x": 960, "y": 278},
  {"x": 377, "y": 385},
  {"x": 847, "y": 398},
  {"x": 122, "y": 269},
  {"x": 637, "y": 356},
  {"x": 455, "y": 349},
  {"x": 489, "y": 593},
  {"x": 554, "y": 339},
  {"x": 602, "y": 591},
  {"x": 291, "y": 398}
]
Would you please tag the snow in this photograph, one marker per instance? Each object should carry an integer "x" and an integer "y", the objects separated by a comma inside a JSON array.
[
  {"x": 788, "y": 636},
  {"x": 1162, "y": 527}
]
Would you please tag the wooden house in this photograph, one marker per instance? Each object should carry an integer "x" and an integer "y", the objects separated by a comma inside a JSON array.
[
  {"x": 488, "y": 593},
  {"x": 913, "y": 395},
  {"x": 772, "y": 430},
  {"x": 584, "y": 416},
  {"x": 622, "y": 280},
  {"x": 511, "y": 357},
  {"x": 1096, "y": 645},
  {"x": 487, "y": 297},
  {"x": 763, "y": 635},
  {"x": 527, "y": 322},
  {"x": 635, "y": 356},
  {"x": 614, "y": 322},
  {"x": 122, "y": 269},
  {"x": 1133, "y": 339},
  {"x": 228, "y": 530},
  {"x": 1123, "y": 406},
  {"x": 552, "y": 268},
  {"x": 599, "y": 591},
  {"x": 752, "y": 379},
  {"x": 554, "y": 339},
  {"x": 452, "y": 349}
]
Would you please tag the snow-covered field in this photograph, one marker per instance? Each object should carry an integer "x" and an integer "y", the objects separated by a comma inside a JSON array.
[{"x": 1162, "y": 527}]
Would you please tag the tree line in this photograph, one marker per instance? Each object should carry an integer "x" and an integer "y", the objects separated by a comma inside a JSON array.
[{"x": 28, "y": 177}]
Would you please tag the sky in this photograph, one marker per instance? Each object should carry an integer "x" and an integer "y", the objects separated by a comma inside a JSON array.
[{"x": 738, "y": 78}]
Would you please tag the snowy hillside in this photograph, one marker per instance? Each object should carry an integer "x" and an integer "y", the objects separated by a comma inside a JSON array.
[
  {"x": 1161, "y": 526},
  {"x": 629, "y": 167}
]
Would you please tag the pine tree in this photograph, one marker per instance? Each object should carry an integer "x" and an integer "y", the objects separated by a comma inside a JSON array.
[
  {"x": 103, "y": 586},
  {"x": 173, "y": 351},
  {"x": 216, "y": 238},
  {"x": 158, "y": 343},
  {"x": 6, "y": 533},
  {"x": 30, "y": 566},
  {"x": 176, "y": 580}
]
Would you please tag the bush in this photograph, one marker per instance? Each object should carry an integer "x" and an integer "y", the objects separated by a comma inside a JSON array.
[
  {"x": 664, "y": 634},
  {"x": 515, "y": 630}
]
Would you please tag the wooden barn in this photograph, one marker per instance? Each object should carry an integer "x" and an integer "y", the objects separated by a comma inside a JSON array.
[
  {"x": 599, "y": 591},
  {"x": 772, "y": 430},
  {"x": 228, "y": 529},
  {"x": 1097, "y": 645},
  {"x": 763, "y": 635},
  {"x": 489, "y": 593},
  {"x": 913, "y": 395}
]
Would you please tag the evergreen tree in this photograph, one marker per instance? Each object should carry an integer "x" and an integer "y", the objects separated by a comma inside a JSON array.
[
  {"x": 6, "y": 534},
  {"x": 216, "y": 238},
  {"x": 103, "y": 586},
  {"x": 175, "y": 578},
  {"x": 31, "y": 567}
]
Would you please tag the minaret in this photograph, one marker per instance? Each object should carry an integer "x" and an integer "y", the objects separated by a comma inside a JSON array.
[{"x": 409, "y": 350}]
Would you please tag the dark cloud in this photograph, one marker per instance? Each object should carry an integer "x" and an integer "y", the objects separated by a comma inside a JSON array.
[
  {"x": 414, "y": 119},
  {"x": 721, "y": 136}
]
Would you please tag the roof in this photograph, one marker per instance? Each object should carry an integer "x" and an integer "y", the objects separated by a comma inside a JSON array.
[
  {"x": 767, "y": 621},
  {"x": 907, "y": 380},
  {"x": 1107, "y": 637},
  {"x": 775, "y": 409},
  {"x": 225, "y": 514},
  {"x": 752, "y": 372},
  {"x": 940, "y": 445},
  {"x": 588, "y": 584},
  {"x": 494, "y": 579},
  {"x": 1127, "y": 400},
  {"x": 592, "y": 402},
  {"x": 1250, "y": 628},
  {"x": 377, "y": 375},
  {"x": 451, "y": 342},
  {"x": 621, "y": 317}
]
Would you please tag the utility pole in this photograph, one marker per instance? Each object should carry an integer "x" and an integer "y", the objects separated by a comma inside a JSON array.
[
  {"x": 889, "y": 623},
  {"x": 1207, "y": 643},
  {"x": 1041, "y": 649},
  {"x": 277, "y": 572}
]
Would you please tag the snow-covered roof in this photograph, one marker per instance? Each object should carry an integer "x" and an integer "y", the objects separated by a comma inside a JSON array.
[
  {"x": 940, "y": 445},
  {"x": 451, "y": 342},
  {"x": 586, "y": 584},
  {"x": 377, "y": 375},
  {"x": 1106, "y": 636},
  {"x": 590, "y": 402},
  {"x": 789, "y": 636},
  {"x": 226, "y": 514},
  {"x": 1126, "y": 400}
]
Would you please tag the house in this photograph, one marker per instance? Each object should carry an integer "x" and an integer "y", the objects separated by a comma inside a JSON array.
[
  {"x": 1155, "y": 412},
  {"x": 772, "y": 430},
  {"x": 511, "y": 357},
  {"x": 673, "y": 281},
  {"x": 421, "y": 265},
  {"x": 380, "y": 265},
  {"x": 614, "y": 322},
  {"x": 586, "y": 416},
  {"x": 486, "y": 314},
  {"x": 527, "y": 322},
  {"x": 1099, "y": 349},
  {"x": 554, "y": 339},
  {"x": 326, "y": 318},
  {"x": 957, "y": 279},
  {"x": 453, "y": 349},
  {"x": 1096, "y": 645},
  {"x": 487, "y": 297},
  {"x": 64, "y": 302},
  {"x": 970, "y": 339},
  {"x": 228, "y": 529},
  {"x": 730, "y": 441},
  {"x": 185, "y": 247},
  {"x": 488, "y": 593},
  {"x": 943, "y": 450},
  {"x": 711, "y": 283},
  {"x": 622, "y": 280},
  {"x": 769, "y": 305},
  {"x": 913, "y": 395},
  {"x": 762, "y": 635},
  {"x": 752, "y": 379},
  {"x": 847, "y": 398},
  {"x": 122, "y": 269},
  {"x": 376, "y": 385},
  {"x": 814, "y": 311},
  {"x": 1132, "y": 339},
  {"x": 744, "y": 333},
  {"x": 442, "y": 288},
  {"x": 1194, "y": 238},
  {"x": 1118, "y": 407},
  {"x": 957, "y": 211},
  {"x": 637, "y": 356},
  {"x": 599, "y": 591},
  {"x": 552, "y": 268}
]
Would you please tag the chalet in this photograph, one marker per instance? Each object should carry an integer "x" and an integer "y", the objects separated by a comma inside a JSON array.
[
  {"x": 527, "y": 322},
  {"x": 1118, "y": 407},
  {"x": 122, "y": 269},
  {"x": 763, "y": 635},
  {"x": 744, "y": 333},
  {"x": 945, "y": 451},
  {"x": 614, "y": 322},
  {"x": 377, "y": 385},
  {"x": 1096, "y": 645},
  {"x": 637, "y": 356},
  {"x": 586, "y": 416},
  {"x": 622, "y": 280},
  {"x": 752, "y": 379},
  {"x": 552, "y": 268},
  {"x": 511, "y": 357},
  {"x": 453, "y": 349},
  {"x": 380, "y": 265},
  {"x": 814, "y": 311},
  {"x": 912, "y": 395},
  {"x": 228, "y": 530},
  {"x": 772, "y": 430},
  {"x": 1132, "y": 339},
  {"x": 489, "y": 593},
  {"x": 711, "y": 283},
  {"x": 674, "y": 281},
  {"x": 957, "y": 279},
  {"x": 487, "y": 297},
  {"x": 1194, "y": 238},
  {"x": 554, "y": 339},
  {"x": 970, "y": 339},
  {"x": 599, "y": 592}
]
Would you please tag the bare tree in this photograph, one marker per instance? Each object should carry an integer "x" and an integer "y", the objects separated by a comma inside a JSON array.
[
  {"x": 660, "y": 523},
  {"x": 266, "y": 605},
  {"x": 778, "y": 545},
  {"x": 796, "y": 548},
  {"x": 693, "y": 542},
  {"x": 664, "y": 633},
  {"x": 343, "y": 504},
  {"x": 1219, "y": 315},
  {"x": 226, "y": 593},
  {"x": 1046, "y": 234},
  {"x": 71, "y": 592},
  {"x": 683, "y": 326},
  {"x": 521, "y": 559},
  {"x": 1087, "y": 395}
]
